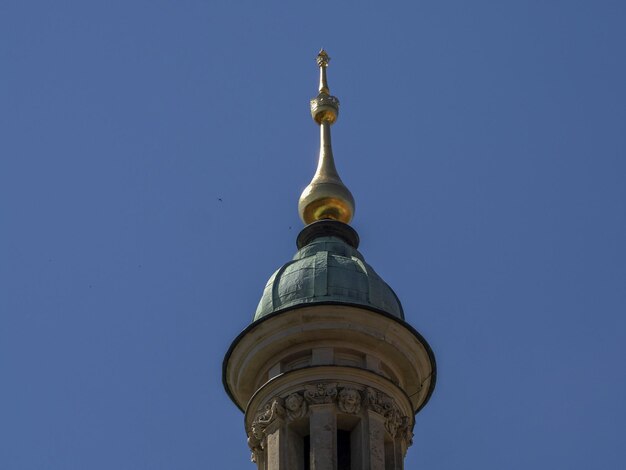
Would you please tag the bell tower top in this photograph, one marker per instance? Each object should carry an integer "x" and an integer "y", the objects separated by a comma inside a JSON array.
[{"x": 329, "y": 374}]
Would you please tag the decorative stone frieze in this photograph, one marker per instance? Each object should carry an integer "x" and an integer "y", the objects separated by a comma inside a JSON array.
[{"x": 348, "y": 399}]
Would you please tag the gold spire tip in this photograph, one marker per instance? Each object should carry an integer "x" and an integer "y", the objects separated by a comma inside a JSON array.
[
  {"x": 322, "y": 58},
  {"x": 326, "y": 197},
  {"x": 322, "y": 62}
]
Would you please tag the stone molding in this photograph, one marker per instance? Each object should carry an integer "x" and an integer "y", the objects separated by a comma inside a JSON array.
[{"x": 348, "y": 400}]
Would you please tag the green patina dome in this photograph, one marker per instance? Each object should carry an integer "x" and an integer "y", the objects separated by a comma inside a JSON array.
[{"x": 327, "y": 270}]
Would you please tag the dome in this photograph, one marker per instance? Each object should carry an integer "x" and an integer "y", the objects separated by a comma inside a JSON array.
[{"x": 327, "y": 270}]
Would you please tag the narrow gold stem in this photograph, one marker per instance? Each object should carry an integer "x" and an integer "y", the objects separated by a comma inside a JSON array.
[
  {"x": 323, "y": 82},
  {"x": 326, "y": 163}
]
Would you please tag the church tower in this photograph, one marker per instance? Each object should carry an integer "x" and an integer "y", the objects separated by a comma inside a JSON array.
[{"x": 328, "y": 374}]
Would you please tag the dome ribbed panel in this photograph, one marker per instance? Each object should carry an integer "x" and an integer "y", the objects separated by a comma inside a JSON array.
[{"x": 331, "y": 271}]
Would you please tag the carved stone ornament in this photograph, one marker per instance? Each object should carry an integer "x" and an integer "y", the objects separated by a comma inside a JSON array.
[
  {"x": 256, "y": 437},
  {"x": 378, "y": 401},
  {"x": 383, "y": 404},
  {"x": 393, "y": 420},
  {"x": 274, "y": 409},
  {"x": 321, "y": 393},
  {"x": 256, "y": 447},
  {"x": 349, "y": 400},
  {"x": 404, "y": 431},
  {"x": 295, "y": 406}
]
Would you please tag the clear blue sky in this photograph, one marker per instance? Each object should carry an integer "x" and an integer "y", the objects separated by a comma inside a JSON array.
[{"x": 484, "y": 142}]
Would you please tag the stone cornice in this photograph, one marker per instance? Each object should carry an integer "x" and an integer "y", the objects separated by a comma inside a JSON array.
[{"x": 395, "y": 342}]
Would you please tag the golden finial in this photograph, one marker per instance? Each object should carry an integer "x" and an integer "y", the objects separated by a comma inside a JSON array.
[
  {"x": 322, "y": 62},
  {"x": 326, "y": 197}
]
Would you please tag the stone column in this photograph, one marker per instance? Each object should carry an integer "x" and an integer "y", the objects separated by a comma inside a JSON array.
[
  {"x": 276, "y": 444},
  {"x": 394, "y": 459},
  {"x": 323, "y": 438},
  {"x": 376, "y": 440},
  {"x": 368, "y": 442},
  {"x": 283, "y": 447}
]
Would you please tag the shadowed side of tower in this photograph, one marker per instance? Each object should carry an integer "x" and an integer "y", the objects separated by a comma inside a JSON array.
[{"x": 329, "y": 374}]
